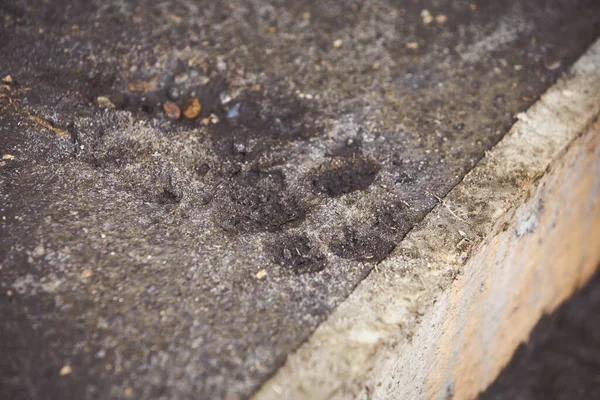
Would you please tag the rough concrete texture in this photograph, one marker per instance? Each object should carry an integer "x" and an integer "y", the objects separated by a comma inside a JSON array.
[
  {"x": 149, "y": 249},
  {"x": 443, "y": 313},
  {"x": 560, "y": 359}
]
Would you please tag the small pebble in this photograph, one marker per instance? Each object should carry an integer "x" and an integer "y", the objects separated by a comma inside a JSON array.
[
  {"x": 172, "y": 110},
  {"x": 338, "y": 43},
  {"x": 441, "y": 19},
  {"x": 261, "y": 274},
  {"x": 173, "y": 93},
  {"x": 225, "y": 98},
  {"x": 221, "y": 64},
  {"x": 567, "y": 93},
  {"x": 136, "y": 86},
  {"x": 426, "y": 17},
  {"x": 459, "y": 127},
  {"x": 140, "y": 85},
  {"x": 66, "y": 370},
  {"x": 39, "y": 251},
  {"x": 86, "y": 273},
  {"x": 554, "y": 65},
  {"x": 191, "y": 108},
  {"x": 211, "y": 119},
  {"x": 412, "y": 45},
  {"x": 7, "y": 79},
  {"x": 104, "y": 102},
  {"x": 8, "y": 157},
  {"x": 234, "y": 111},
  {"x": 240, "y": 148},
  {"x": 287, "y": 254},
  {"x": 181, "y": 78}
]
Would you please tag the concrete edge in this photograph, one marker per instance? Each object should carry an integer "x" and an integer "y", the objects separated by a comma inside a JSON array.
[{"x": 403, "y": 332}]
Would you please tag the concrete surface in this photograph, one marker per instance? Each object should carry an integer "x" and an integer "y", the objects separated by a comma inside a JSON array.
[
  {"x": 443, "y": 314},
  {"x": 148, "y": 256}
]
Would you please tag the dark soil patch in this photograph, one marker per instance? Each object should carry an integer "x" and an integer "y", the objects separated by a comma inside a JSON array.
[
  {"x": 255, "y": 123},
  {"x": 295, "y": 253},
  {"x": 561, "y": 359},
  {"x": 395, "y": 218},
  {"x": 255, "y": 201},
  {"x": 361, "y": 245},
  {"x": 342, "y": 176}
]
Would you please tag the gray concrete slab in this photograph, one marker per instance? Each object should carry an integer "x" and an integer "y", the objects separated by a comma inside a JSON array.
[
  {"x": 148, "y": 256},
  {"x": 442, "y": 315}
]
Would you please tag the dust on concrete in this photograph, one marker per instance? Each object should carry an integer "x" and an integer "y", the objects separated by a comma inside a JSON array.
[{"x": 322, "y": 127}]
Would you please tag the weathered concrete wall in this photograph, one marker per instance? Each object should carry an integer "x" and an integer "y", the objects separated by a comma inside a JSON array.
[
  {"x": 549, "y": 248},
  {"x": 443, "y": 315}
]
